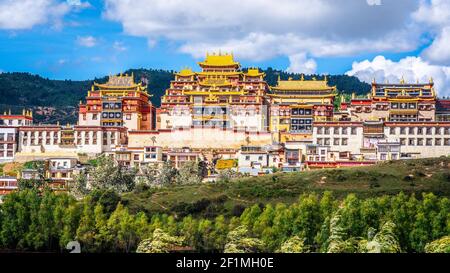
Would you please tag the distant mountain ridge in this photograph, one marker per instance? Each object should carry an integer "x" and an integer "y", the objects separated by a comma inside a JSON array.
[{"x": 57, "y": 100}]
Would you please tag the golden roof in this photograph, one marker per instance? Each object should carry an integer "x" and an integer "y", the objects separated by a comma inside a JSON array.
[
  {"x": 254, "y": 72},
  {"x": 219, "y": 60},
  {"x": 303, "y": 85},
  {"x": 186, "y": 72}
]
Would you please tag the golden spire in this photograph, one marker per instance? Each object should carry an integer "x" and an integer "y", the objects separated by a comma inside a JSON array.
[
  {"x": 302, "y": 77},
  {"x": 9, "y": 112},
  {"x": 431, "y": 79},
  {"x": 373, "y": 80},
  {"x": 325, "y": 78},
  {"x": 353, "y": 95},
  {"x": 23, "y": 112},
  {"x": 402, "y": 80},
  {"x": 279, "y": 78}
]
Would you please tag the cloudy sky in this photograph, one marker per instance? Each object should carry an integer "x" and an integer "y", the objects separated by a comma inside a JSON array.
[{"x": 80, "y": 39}]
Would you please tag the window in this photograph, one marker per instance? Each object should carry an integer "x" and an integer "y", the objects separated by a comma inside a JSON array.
[
  {"x": 336, "y": 141},
  {"x": 327, "y": 141},
  {"x": 319, "y": 130},
  {"x": 320, "y": 141},
  {"x": 402, "y": 131},
  {"x": 392, "y": 130},
  {"x": 344, "y": 141},
  {"x": 411, "y": 130},
  {"x": 402, "y": 141},
  {"x": 420, "y": 142},
  {"x": 419, "y": 131},
  {"x": 447, "y": 141},
  {"x": 260, "y": 158},
  {"x": 247, "y": 157},
  {"x": 136, "y": 157},
  {"x": 383, "y": 157},
  {"x": 429, "y": 131},
  {"x": 437, "y": 142},
  {"x": 94, "y": 116},
  {"x": 429, "y": 141},
  {"x": 128, "y": 116},
  {"x": 411, "y": 142},
  {"x": 327, "y": 131},
  {"x": 344, "y": 130}
]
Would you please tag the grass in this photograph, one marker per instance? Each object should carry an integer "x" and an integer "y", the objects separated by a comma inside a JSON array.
[{"x": 392, "y": 177}]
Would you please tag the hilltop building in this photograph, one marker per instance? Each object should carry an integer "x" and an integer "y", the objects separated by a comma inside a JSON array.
[
  {"x": 220, "y": 96},
  {"x": 120, "y": 102},
  {"x": 296, "y": 104},
  {"x": 396, "y": 102}
]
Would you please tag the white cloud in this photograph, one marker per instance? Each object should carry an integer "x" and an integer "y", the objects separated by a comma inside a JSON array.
[
  {"x": 119, "y": 46},
  {"x": 411, "y": 68},
  {"x": 299, "y": 63},
  {"x": 78, "y": 3},
  {"x": 373, "y": 2},
  {"x": 87, "y": 41},
  {"x": 262, "y": 29},
  {"x": 25, "y": 14},
  {"x": 439, "y": 51}
]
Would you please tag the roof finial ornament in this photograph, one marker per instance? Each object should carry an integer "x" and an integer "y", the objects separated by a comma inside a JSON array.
[
  {"x": 302, "y": 77},
  {"x": 279, "y": 77},
  {"x": 325, "y": 78},
  {"x": 373, "y": 80},
  {"x": 402, "y": 80},
  {"x": 431, "y": 79}
]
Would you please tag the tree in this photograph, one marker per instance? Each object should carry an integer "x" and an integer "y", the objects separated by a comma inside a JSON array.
[
  {"x": 188, "y": 174},
  {"x": 385, "y": 241},
  {"x": 78, "y": 187},
  {"x": 167, "y": 174},
  {"x": 441, "y": 245},
  {"x": 123, "y": 230},
  {"x": 108, "y": 175},
  {"x": 294, "y": 244},
  {"x": 239, "y": 242},
  {"x": 161, "y": 242}
]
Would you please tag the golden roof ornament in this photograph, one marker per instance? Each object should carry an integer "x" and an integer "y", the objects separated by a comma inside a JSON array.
[
  {"x": 431, "y": 79},
  {"x": 302, "y": 78},
  {"x": 402, "y": 80}
]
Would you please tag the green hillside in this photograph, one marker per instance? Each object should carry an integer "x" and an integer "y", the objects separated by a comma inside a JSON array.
[
  {"x": 57, "y": 100},
  {"x": 392, "y": 177}
]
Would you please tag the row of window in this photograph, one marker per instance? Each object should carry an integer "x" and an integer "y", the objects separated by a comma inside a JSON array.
[
  {"x": 336, "y": 130},
  {"x": 336, "y": 141},
  {"x": 425, "y": 142},
  {"x": 7, "y": 137},
  {"x": 420, "y": 130}
]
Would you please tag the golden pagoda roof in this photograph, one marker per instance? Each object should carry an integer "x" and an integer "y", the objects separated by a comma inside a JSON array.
[
  {"x": 254, "y": 72},
  {"x": 302, "y": 84},
  {"x": 219, "y": 60},
  {"x": 185, "y": 72}
]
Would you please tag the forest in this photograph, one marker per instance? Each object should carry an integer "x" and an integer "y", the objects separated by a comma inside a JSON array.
[{"x": 101, "y": 219}]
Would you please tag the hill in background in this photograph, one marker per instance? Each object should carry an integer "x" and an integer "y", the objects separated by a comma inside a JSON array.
[{"x": 57, "y": 100}]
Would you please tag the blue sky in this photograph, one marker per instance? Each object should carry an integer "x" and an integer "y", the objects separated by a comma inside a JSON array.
[{"x": 82, "y": 39}]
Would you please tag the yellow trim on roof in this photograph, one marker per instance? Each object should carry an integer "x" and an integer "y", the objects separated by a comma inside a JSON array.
[{"x": 219, "y": 60}]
